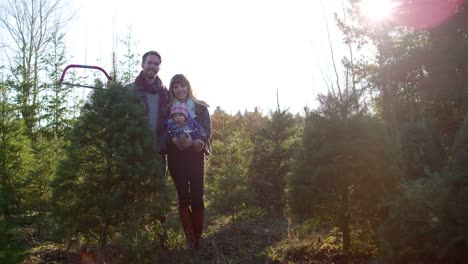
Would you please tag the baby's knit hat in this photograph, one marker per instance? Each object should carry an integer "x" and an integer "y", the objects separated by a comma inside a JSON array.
[{"x": 179, "y": 108}]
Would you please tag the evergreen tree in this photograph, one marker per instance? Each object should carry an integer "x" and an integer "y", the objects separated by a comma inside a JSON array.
[
  {"x": 417, "y": 78},
  {"x": 454, "y": 220},
  {"x": 232, "y": 146},
  {"x": 109, "y": 184},
  {"x": 48, "y": 142},
  {"x": 11, "y": 249},
  {"x": 407, "y": 235},
  {"x": 428, "y": 222},
  {"x": 16, "y": 159},
  {"x": 252, "y": 122},
  {"x": 227, "y": 185},
  {"x": 274, "y": 146},
  {"x": 129, "y": 65},
  {"x": 36, "y": 188},
  {"x": 346, "y": 174},
  {"x": 223, "y": 125},
  {"x": 418, "y": 74},
  {"x": 57, "y": 116}
]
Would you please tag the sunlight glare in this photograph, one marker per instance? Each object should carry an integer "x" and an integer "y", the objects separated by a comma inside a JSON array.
[{"x": 376, "y": 9}]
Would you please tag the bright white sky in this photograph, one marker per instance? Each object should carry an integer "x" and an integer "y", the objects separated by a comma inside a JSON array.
[{"x": 235, "y": 53}]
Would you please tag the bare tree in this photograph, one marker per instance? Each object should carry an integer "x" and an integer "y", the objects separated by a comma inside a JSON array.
[
  {"x": 31, "y": 26},
  {"x": 342, "y": 98}
]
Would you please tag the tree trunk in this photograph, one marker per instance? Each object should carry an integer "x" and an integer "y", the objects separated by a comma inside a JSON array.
[
  {"x": 102, "y": 241},
  {"x": 344, "y": 224}
]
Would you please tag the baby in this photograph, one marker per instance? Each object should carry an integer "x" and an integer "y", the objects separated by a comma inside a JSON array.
[{"x": 183, "y": 130}]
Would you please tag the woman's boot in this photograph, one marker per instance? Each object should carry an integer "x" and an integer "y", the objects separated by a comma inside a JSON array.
[
  {"x": 187, "y": 225},
  {"x": 197, "y": 219}
]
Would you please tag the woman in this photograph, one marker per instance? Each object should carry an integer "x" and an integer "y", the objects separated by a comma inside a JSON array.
[{"x": 186, "y": 165}]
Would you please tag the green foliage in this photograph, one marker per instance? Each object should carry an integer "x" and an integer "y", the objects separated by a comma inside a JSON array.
[
  {"x": 16, "y": 158},
  {"x": 429, "y": 221},
  {"x": 225, "y": 125},
  {"x": 56, "y": 114},
  {"x": 421, "y": 149},
  {"x": 293, "y": 250},
  {"x": 454, "y": 220},
  {"x": 228, "y": 168},
  {"x": 33, "y": 40},
  {"x": 136, "y": 245},
  {"x": 11, "y": 248},
  {"x": 346, "y": 174},
  {"x": 36, "y": 203},
  {"x": 130, "y": 62},
  {"x": 408, "y": 234},
  {"x": 420, "y": 81},
  {"x": 110, "y": 181},
  {"x": 108, "y": 189},
  {"x": 275, "y": 146}
]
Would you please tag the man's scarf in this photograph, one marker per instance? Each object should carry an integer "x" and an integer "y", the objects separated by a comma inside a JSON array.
[{"x": 157, "y": 87}]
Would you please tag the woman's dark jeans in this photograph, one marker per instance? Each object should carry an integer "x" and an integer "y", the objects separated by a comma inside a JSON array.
[{"x": 187, "y": 171}]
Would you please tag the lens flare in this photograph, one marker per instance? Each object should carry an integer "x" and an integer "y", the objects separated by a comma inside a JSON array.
[
  {"x": 422, "y": 14},
  {"x": 87, "y": 258},
  {"x": 376, "y": 9}
]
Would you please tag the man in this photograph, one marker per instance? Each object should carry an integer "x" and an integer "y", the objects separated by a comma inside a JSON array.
[{"x": 151, "y": 92}]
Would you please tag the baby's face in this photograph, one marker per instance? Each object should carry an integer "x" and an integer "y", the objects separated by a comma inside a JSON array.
[{"x": 178, "y": 118}]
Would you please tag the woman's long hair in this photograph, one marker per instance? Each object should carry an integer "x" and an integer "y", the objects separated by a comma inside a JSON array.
[{"x": 181, "y": 79}]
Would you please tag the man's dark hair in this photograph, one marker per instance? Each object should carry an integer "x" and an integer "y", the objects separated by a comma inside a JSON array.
[{"x": 151, "y": 52}]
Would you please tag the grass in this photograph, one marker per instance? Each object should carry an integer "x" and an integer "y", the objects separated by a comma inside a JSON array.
[{"x": 252, "y": 238}]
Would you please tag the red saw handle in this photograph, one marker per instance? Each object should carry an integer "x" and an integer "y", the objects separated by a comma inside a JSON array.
[{"x": 109, "y": 78}]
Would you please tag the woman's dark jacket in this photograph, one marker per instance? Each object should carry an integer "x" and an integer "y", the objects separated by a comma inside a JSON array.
[{"x": 203, "y": 117}]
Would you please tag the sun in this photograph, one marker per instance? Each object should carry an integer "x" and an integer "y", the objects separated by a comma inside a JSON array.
[{"x": 376, "y": 9}]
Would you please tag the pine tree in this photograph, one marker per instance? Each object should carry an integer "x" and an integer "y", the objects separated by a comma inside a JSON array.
[
  {"x": 16, "y": 159},
  {"x": 346, "y": 174},
  {"x": 129, "y": 64},
  {"x": 54, "y": 122},
  {"x": 228, "y": 167},
  {"x": 11, "y": 250},
  {"x": 421, "y": 86},
  {"x": 417, "y": 76},
  {"x": 110, "y": 182},
  {"x": 57, "y": 116},
  {"x": 454, "y": 220},
  {"x": 274, "y": 146}
]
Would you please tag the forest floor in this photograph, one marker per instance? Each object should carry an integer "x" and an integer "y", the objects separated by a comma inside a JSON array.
[{"x": 249, "y": 240}]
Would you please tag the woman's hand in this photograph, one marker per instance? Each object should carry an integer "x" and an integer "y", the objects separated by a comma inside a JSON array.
[{"x": 183, "y": 142}]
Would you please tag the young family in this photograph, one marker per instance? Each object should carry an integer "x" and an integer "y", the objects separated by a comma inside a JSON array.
[{"x": 182, "y": 126}]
